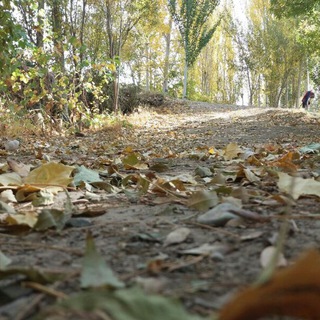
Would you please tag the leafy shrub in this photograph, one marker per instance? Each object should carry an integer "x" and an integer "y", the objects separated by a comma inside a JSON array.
[{"x": 152, "y": 99}]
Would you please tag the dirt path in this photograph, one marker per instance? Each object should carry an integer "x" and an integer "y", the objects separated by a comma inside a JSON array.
[{"x": 175, "y": 143}]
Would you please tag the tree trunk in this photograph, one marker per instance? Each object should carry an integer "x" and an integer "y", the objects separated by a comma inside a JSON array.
[
  {"x": 40, "y": 24},
  {"x": 298, "y": 102},
  {"x": 308, "y": 75},
  {"x": 57, "y": 34},
  {"x": 147, "y": 68},
  {"x": 112, "y": 54},
  {"x": 83, "y": 15},
  {"x": 116, "y": 92},
  {"x": 167, "y": 59},
  {"x": 185, "y": 80}
]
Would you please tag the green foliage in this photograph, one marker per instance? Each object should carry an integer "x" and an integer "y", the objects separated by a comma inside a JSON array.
[
  {"x": 315, "y": 70},
  {"x": 293, "y": 8},
  {"x": 308, "y": 30},
  {"x": 191, "y": 17},
  {"x": 12, "y": 39}
]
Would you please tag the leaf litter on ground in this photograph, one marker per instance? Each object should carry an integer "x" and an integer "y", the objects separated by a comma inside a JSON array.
[{"x": 262, "y": 171}]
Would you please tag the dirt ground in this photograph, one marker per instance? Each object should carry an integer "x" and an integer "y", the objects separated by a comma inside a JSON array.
[{"x": 130, "y": 232}]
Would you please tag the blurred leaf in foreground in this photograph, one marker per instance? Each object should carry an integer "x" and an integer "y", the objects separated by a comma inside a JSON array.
[
  {"x": 51, "y": 218},
  {"x": 311, "y": 148},
  {"x": 296, "y": 186},
  {"x": 95, "y": 272},
  {"x": 34, "y": 274},
  {"x": 294, "y": 291},
  {"x": 129, "y": 304}
]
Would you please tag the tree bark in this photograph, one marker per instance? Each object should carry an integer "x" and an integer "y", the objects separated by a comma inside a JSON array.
[
  {"x": 57, "y": 33},
  {"x": 39, "y": 35},
  {"x": 167, "y": 37},
  {"x": 185, "y": 79},
  {"x": 298, "y": 102}
]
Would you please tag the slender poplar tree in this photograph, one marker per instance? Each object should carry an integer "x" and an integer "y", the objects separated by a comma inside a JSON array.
[{"x": 191, "y": 17}]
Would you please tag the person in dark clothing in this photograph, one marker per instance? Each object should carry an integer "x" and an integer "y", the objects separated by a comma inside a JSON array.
[{"x": 306, "y": 99}]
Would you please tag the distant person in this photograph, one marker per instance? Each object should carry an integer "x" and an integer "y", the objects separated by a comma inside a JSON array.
[{"x": 306, "y": 99}]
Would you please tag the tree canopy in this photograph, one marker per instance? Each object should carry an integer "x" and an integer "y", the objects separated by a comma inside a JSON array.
[{"x": 81, "y": 57}]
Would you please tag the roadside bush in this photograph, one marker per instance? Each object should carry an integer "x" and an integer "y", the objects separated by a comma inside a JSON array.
[
  {"x": 151, "y": 99},
  {"x": 129, "y": 98}
]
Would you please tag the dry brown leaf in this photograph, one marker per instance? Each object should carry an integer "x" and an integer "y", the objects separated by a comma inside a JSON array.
[
  {"x": 232, "y": 151},
  {"x": 21, "y": 169},
  {"x": 177, "y": 236},
  {"x": 286, "y": 162},
  {"x": 294, "y": 291}
]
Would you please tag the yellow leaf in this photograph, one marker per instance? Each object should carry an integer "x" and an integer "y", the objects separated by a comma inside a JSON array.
[
  {"x": 50, "y": 174},
  {"x": 232, "y": 151}
]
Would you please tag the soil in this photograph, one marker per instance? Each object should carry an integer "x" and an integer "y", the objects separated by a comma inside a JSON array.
[{"x": 129, "y": 231}]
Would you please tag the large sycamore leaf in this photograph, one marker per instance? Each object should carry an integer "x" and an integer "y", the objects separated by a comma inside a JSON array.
[
  {"x": 50, "y": 174},
  {"x": 296, "y": 186},
  {"x": 294, "y": 291}
]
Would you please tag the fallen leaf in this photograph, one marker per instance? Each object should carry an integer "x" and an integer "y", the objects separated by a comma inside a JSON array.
[
  {"x": 159, "y": 167},
  {"x": 21, "y": 169},
  {"x": 311, "y": 148},
  {"x": 219, "y": 215},
  {"x": 232, "y": 151},
  {"x": 7, "y": 208},
  {"x": 286, "y": 161},
  {"x": 203, "y": 172},
  {"x": 250, "y": 175},
  {"x": 203, "y": 200},
  {"x": 10, "y": 179},
  {"x": 95, "y": 272},
  {"x": 51, "y": 218},
  {"x": 267, "y": 255},
  {"x": 296, "y": 186},
  {"x": 85, "y": 175},
  {"x": 151, "y": 285},
  {"x": 208, "y": 250},
  {"x": 127, "y": 304},
  {"x": 4, "y": 261},
  {"x": 50, "y": 174},
  {"x": 29, "y": 218},
  {"x": 177, "y": 236},
  {"x": 132, "y": 161},
  {"x": 27, "y": 193},
  {"x": 44, "y": 198},
  {"x": 35, "y": 274},
  {"x": 293, "y": 291},
  {"x": 7, "y": 196},
  {"x": 251, "y": 236}
]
